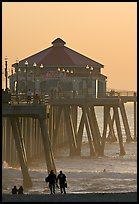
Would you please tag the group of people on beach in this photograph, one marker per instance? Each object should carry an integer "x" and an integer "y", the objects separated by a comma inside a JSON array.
[
  {"x": 54, "y": 181},
  {"x": 57, "y": 181},
  {"x": 17, "y": 191}
]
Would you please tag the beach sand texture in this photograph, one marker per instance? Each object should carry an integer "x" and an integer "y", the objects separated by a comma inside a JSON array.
[{"x": 83, "y": 197}]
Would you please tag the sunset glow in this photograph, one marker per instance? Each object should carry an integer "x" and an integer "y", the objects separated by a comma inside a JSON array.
[{"x": 105, "y": 32}]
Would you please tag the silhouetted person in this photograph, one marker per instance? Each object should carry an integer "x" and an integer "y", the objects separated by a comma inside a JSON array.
[
  {"x": 36, "y": 98},
  {"x": 112, "y": 92},
  {"x": 14, "y": 190},
  {"x": 61, "y": 178},
  {"x": 29, "y": 94},
  {"x": 20, "y": 190},
  {"x": 52, "y": 181},
  {"x": 52, "y": 93}
]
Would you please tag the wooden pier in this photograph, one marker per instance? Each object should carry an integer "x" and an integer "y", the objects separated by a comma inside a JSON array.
[{"x": 33, "y": 129}]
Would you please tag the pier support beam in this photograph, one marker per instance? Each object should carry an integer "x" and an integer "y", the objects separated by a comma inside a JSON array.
[
  {"x": 80, "y": 135},
  {"x": 8, "y": 146},
  {"x": 57, "y": 126},
  {"x": 19, "y": 146},
  {"x": 70, "y": 131},
  {"x": 111, "y": 135},
  {"x": 106, "y": 121},
  {"x": 125, "y": 122},
  {"x": 94, "y": 118},
  {"x": 94, "y": 131},
  {"x": 74, "y": 114},
  {"x": 89, "y": 135},
  {"x": 119, "y": 131},
  {"x": 27, "y": 133},
  {"x": 47, "y": 146}
]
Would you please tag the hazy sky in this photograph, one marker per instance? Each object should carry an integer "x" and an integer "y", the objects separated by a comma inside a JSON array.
[{"x": 105, "y": 32}]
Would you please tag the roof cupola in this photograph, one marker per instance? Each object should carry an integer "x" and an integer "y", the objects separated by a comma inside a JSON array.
[{"x": 58, "y": 42}]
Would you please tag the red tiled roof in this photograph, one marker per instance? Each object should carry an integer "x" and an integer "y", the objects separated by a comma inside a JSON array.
[
  {"x": 57, "y": 56},
  {"x": 60, "y": 55}
]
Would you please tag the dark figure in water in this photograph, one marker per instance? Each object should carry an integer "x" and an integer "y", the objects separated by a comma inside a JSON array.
[
  {"x": 52, "y": 181},
  {"x": 14, "y": 190},
  {"x": 61, "y": 178},
  {"x": 20, "y": 190}
]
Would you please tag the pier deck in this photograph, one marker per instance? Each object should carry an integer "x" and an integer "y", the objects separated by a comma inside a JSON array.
[
  {"x": 24, "y": 110},
  {"x": 42, "y": 125}
]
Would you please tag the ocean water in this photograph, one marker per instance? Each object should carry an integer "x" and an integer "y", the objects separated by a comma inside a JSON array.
[{"x": 85, "y": 174}]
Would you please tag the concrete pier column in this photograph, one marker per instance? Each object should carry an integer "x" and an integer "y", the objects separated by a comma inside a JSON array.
[
  {"x": 94, "y": 131},
  {"x": 47, "y": 146},
  {"x": 70, "y": 131},
  {"x": 80, "y": 135},
  {"x": 89, "y": 135},
  {"x": 111, "y": 135},
  {"x": 26, "y": 177},
  {"x": 8, "y": 140},
  {"x": 51, "y": 121},
  {"x": 93, "y": 114},
  {"x": 106, "y": 121},
  {"x": 37, "y": 139},
  {"x": 57, "y": 128},
  {"x": 3, "y": 139},
  {"x": 28, "y": 135},
  {"x": 125, "y": 122},
  {"x": 13, "y": 155},
  {"x": 74, "y": 112},
  {"x": 22, "y": 140},
  {"x": 119, "y": 131}
]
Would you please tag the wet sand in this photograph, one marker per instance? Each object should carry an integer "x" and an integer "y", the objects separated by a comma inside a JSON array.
[{"x": 72, "y": 197}]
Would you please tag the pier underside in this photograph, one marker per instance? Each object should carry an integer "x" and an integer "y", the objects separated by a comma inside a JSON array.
[{"x": 33, "y": 129}]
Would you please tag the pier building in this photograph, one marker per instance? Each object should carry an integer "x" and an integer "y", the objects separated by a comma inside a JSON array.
[{"x": 59, "y": 68}]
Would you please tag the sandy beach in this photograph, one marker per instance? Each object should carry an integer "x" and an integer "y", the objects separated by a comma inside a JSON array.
[{"x": 83, "y": 197}]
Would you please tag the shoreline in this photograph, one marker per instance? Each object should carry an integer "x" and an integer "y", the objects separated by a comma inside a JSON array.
[{"x": 72, "y": 197}]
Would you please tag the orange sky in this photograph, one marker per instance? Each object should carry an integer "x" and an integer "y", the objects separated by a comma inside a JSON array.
[{"x": 105, "y": 32}]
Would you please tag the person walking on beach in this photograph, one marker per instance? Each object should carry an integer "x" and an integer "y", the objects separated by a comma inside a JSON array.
[
  {"x": 52, "y": 181},
  {"x": 61, "y": 178},
  {"x": 20, "y": 190},
  {"x": 14, "y": 190}
]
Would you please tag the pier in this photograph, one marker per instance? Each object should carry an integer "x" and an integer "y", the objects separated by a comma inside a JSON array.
[
  {"x": 35, "y": 129},
  {"x": 62, "y": 83}
]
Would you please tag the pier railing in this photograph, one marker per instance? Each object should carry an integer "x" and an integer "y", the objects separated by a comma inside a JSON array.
[
  {"x": 121, "y": 93},
  {"x": 44, "y": 98}
]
